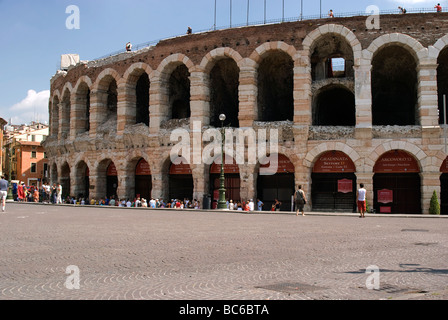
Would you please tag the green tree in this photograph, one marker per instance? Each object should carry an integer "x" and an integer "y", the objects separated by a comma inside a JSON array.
[{"x": 434, "y": 206}]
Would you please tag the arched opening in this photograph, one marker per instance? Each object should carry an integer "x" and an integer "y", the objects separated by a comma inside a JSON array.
[
  {"x": 142, "y": 99},
  {"x": 277, "y": 186},
  {"x": 224, "y": 82},
  {"x": 65, "y": 115},
  {"x": 442, "y": 83},
  {"x": 179, "y": 93},
  {"x": 64, "y": 180},
  {"x": 396, "y": 183},
  {"x": 333, "y": 185},
  {"x": 143, "y": 180},
  {"x": 54, "y": 173},
  {"x": 82, "y": 181},
  {"x": 55, "y": 117},
  {"x": 112, "y": 101},
  {"x": 394, "y": 87},
  {"x": 180, "y": 181},
  {"x": 111, "y": 181},
  {"x": 334, "y": 105},
  {"x": 332, "y": 57},
  {"x": 83, "y": 100},
  {"x": 275, "y": 87},
  {"x": 232, "y": 180}
]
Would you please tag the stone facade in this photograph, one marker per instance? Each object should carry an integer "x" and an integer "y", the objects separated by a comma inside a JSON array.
[{"x": 94, "y": 105}]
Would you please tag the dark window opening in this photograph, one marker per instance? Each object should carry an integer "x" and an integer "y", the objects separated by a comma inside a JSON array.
[
  {"x": 334, "y": 106},
  {"x": 142, "y": 92},
  {"x": 275, "y": 87},
  {"x": 87, "y": 113},
  {"x": 112, "y": 100},
  {"x": 224, "y": 82},
  {"x": 394, "y": 87},
  {"x": 179, "y": 85}
]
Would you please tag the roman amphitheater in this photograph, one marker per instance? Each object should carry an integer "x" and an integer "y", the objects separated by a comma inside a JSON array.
[{"x": 351, "y": 104}]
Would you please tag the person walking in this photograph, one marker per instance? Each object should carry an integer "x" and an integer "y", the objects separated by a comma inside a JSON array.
[
  {"x": 300, "y": 200},
  {"x": 3, "y": 192},
  {"x": 361, "y": 196}
]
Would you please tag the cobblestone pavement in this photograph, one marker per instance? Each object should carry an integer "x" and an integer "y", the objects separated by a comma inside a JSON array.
[{"x": 132, "y": 254}]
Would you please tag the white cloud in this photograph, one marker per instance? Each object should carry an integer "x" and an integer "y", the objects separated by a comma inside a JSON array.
[{"x": 33, "y": 108}]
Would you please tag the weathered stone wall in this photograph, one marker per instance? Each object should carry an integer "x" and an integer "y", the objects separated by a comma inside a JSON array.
[{"x": 123, "y": 141}]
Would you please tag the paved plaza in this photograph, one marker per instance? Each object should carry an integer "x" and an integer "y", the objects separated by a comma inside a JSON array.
[{"x": 134, "y": 254}]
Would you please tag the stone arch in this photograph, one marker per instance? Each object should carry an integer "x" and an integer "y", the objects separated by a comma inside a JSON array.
[
  {"x": 54, "y": 113},
  {"x": 105, "y": 91},
  {"x": 258, "y": 54},
  {"x": 64, "y": 110},
  {"x": 82, "y": 181},
  {"x": 210, "y": 58},
  {"x": 101, "y": 80},
  {"x": 221, "y": 79},
  {"x": 275, "y": 81},
  {"x": 314, "y": 154},
  {"x": 412, "y": 45},
  {"x": 174, "y": 103},
  {"x": 137, "y": 97},
  {"x": 439, "y": 54},
  {"x": 410, "y": 148},
  {"x": 339, "y": 30},
  {"x": 64, "y": 179},
  {"x": 80, "y": 116}
]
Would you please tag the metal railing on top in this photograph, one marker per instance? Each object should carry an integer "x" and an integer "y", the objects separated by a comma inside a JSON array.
[{"x": 274, "y": 21}]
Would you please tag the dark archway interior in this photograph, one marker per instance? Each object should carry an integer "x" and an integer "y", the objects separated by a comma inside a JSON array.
[
  {"x": 83, "y": 98},
  {"x": 179, "y": 85},
  {"x": 65, "y": 180},
  {"x": 65, "y": 127},
  {"x": 442, "y": 82},
  {"x": 394, "y": 87},
  {"x": 55, "y": 117},
  {"x": 275, "y": 87},
  {"x": 334, "y": 106},
  {"x": 224, "y": 82},
  {"x": 142, "y": 103},
  {"x": 112, "y": 100}
]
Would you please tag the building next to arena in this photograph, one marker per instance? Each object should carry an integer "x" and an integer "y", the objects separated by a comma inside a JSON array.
[{"x": 351, "y": 105}]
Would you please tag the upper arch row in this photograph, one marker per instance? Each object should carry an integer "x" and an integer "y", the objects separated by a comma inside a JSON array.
[{"x": 301, "y": 58}]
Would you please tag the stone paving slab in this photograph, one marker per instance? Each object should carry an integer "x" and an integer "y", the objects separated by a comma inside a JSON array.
[{"x": 134, "y": 254}]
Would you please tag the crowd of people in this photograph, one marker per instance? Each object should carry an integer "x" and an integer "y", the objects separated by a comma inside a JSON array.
[{"x": 48, "y": 193}]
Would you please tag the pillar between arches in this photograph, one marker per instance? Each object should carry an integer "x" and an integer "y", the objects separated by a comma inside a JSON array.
[{"x": 430, "y": 182}]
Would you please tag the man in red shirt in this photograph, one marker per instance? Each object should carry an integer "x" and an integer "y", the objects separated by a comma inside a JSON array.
[{"x": 438, "y": 7}]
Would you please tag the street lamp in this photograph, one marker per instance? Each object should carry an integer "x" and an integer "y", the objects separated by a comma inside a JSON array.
[{"x": 222, "y": 188}]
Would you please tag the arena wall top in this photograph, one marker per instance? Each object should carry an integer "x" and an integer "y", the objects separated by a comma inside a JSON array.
[{"x": 424, "y": 25}]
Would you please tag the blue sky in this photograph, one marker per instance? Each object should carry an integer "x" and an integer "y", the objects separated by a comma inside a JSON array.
[{"x": 33, "y": 34}]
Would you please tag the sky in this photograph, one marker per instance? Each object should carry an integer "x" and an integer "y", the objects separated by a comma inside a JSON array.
[{"x": 35, "y": 33}]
